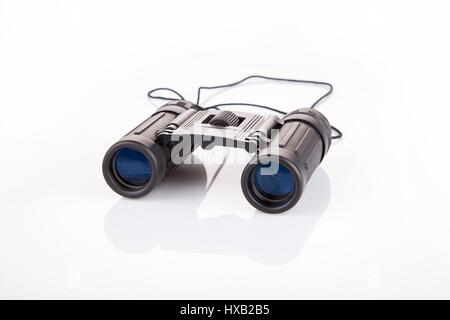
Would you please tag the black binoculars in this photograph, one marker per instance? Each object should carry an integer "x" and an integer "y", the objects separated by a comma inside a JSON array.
[{"x": 287, "y": 150}]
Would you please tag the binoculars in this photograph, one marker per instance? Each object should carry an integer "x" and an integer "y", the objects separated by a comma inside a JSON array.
[{"x": 286, "y": 150}]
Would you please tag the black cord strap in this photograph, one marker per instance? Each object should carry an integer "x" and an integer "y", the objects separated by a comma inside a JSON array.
[
  {"x": 164, "y": 98},
  {"x": 329, "y": 91},
  {"x": 216, "y": 106}
]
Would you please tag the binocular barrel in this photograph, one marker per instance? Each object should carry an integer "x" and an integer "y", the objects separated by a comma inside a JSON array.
[
  {"x": 276, "y": 177},
  {"x": 135, "y": 164}
]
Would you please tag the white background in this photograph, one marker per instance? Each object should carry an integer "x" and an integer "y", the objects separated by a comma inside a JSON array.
[{"x": 373, "y": 222}]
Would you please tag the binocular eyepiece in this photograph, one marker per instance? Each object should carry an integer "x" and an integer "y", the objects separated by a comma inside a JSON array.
[{"x": 287, "y": 150}]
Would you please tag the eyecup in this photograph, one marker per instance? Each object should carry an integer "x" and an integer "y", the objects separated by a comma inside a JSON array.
[{"x": 154, "y": 155}]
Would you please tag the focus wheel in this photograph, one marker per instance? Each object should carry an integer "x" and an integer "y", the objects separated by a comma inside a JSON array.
[{"x": 225, "y": 119}]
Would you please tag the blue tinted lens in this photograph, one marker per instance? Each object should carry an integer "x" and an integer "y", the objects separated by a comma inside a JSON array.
[
  {"x": 279, "y": 184},
  {"x": 133, "y": 167}
]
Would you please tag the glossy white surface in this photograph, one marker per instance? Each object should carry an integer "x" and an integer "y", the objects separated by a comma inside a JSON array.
[{"x": 374, "y": 221}]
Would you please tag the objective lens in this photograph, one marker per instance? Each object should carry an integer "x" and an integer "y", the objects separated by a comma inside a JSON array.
[
  {"x": 132, "y": 167},
  {"x": 279, "y": 184}
]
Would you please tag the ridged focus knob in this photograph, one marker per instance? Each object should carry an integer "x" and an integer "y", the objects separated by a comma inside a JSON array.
[{"x": 225, "y": 119}]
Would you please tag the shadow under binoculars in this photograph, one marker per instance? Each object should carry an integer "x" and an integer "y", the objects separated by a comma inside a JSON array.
[{"x": 168, "y": 217}]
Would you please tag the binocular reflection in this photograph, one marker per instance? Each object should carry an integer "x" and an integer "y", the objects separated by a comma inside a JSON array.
[{"x": 167, "y": 218}]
